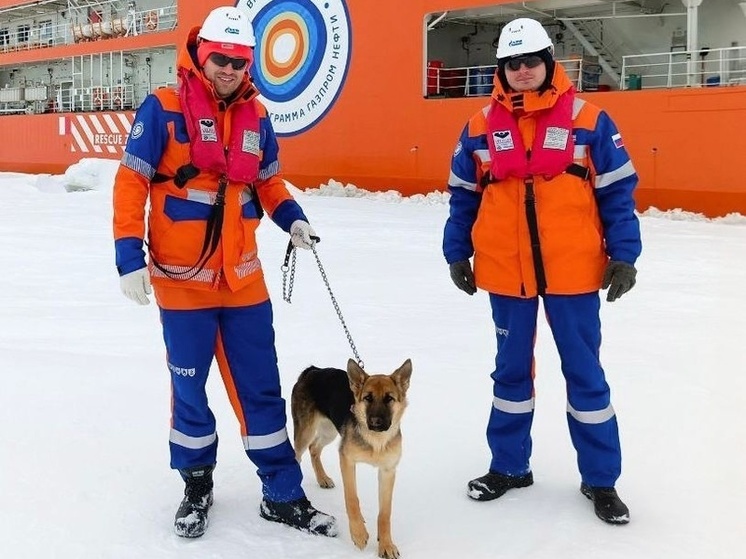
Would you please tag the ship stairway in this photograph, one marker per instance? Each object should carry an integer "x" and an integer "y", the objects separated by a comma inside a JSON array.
[{"x": 602, "y": 56}]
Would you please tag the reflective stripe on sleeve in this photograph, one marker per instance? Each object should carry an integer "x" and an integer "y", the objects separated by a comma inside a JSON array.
[
  {"x": 626, "y": 170},
  {"x": 577, "y": 105},
  {"x": 138, "y": 165},
  {"x": 271, "y": 170},
  {"x": 457, "y": 182}
]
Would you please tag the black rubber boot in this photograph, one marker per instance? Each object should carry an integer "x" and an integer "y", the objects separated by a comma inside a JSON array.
[
  {"x": 607, "y": 504},
  {"x": 191, "y": 518},
  {"x": 493, "y": 485},
  {"x": 301, "y": 515}
]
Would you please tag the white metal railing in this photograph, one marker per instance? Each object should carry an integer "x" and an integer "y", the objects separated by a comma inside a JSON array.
[
  {"x": 97, "y": 98},
  {"x": 477, "y": 81},
  {"x": 27, "y": 36},
  {"x": 36, "y": 99},
  {"x": 578, "y": 73},
  {"x": 701, "y": 68}
]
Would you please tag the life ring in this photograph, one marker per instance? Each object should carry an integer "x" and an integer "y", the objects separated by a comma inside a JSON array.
[
  {"x": 151, "y": 20},
  {"x": 97, "y": 97}
]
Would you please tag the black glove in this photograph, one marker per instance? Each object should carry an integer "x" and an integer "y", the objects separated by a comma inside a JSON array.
[
  {"x": 463, "y": 277},
  {"x": 619, "y": 277}
]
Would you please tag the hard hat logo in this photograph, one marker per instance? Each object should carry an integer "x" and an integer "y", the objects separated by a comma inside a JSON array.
[
  {"x": 522, "y": 36},
  {"x": 228, "y": 25}
]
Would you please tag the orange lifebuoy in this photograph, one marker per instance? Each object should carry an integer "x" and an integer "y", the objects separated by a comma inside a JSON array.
[{"x": 151, "y": 20}]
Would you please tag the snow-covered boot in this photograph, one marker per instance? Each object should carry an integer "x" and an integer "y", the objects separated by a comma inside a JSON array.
[
  {"x": 493, "y": 485},
  {"x": 191, "y": 518},
  {"x": 299, "y": 514},
  {"x": 607, "y": 504}
]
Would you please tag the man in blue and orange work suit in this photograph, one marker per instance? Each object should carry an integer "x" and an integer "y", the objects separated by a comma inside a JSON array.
[
  {"x": 541, "y": 196},
  {"x": 205, "y": 154}
]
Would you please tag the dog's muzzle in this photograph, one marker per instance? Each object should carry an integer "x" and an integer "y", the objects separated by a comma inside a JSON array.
[{"x": 378, "y": 424}]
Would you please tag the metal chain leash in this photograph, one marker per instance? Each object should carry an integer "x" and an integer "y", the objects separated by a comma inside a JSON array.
[
  {"x": 287, "y": 288},
  {"x": 288, "y": 278}
]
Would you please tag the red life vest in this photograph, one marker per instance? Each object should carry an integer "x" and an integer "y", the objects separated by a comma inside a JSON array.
[
  {"x": 239, "y": 161},
  {"x": 553, "y": 146}
]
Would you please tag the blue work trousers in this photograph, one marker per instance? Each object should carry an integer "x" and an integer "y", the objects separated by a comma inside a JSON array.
[
  {"x": 242, "y": 340},
  {"x": 576, "y": 328}
]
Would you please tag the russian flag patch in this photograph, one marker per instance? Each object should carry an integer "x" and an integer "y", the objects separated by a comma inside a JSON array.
[{"x": 617, "y": 139}]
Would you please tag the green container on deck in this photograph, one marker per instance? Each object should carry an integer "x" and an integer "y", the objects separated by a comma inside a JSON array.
[{"x": 634, "y": 81}]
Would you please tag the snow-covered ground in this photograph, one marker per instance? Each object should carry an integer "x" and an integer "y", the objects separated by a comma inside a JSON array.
[{"x": 84, "y": 391}]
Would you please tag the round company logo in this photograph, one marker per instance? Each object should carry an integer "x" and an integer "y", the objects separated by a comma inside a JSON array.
[
  {"x": 301, "y": 58},
  {"x": 137, "y": 130}
]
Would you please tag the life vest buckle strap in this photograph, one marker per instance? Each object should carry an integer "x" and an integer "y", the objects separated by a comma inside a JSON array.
[
  {"x": 486, "y": 179},
  {"x": 220, "y": 195},
  {"x": 579, "y": 171},
  {"x": 183, "y": 175},
  {"x": 533, "y": 231}
]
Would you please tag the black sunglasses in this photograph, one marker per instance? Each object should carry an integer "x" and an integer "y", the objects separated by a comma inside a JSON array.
[
  {"x": 530, "y": 61},
  {"x": 223, "y": 61}
]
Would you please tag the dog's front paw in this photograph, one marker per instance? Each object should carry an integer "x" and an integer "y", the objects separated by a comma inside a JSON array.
[
  {"x": 388, "y": 550},
  {"x": 325, "y": 482},
  {"x": 359, "y": 534}
]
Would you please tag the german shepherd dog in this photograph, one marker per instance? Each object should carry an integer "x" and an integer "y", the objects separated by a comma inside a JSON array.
[{"x": 365, "y": 410}]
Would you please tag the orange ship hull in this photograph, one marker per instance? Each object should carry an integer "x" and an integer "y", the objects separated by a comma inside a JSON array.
[{"x": 380, "y": 133}]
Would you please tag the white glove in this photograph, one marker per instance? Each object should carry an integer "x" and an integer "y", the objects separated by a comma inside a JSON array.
[
  {"x": 301, "y": 234},
  {"x": 136, "y": 286}
]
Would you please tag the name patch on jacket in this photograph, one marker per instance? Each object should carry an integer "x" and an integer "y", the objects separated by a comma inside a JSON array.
[
  {"x": 503, "y": 140},
  {"x": 207, "y": 130},
  {"x": 250, "y": 142},
  {"x": 556, "y": 138}
]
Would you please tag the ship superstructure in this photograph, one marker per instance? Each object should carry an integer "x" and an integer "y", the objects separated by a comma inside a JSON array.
[{"x": 375, "y": 93}]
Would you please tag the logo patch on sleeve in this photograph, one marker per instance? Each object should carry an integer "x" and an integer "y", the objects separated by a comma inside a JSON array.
[
  {"x": 503, "y": 140},
  {"x": 137, "y": 130},
  {"x": 207, "y": 130},
  {"x": 250, "y": 142},
  {"x": 617, "y": 139}
]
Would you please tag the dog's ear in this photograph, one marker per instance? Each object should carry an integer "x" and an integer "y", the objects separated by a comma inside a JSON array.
[
  {"x": 402, "y": 375},
  {"x": 356, "y": 375}
]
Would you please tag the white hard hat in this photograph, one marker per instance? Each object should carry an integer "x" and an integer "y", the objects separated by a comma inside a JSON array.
[
  {"x": 521, "y": 36},
  {"x": 228, "y": 25}
]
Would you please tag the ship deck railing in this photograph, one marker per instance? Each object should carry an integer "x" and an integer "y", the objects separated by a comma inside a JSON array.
[
  {"x": 477, "y": 81},
  {"x": 675, "y": 69},
  {"x": 93, "y": 98},
  {"x": 685, "y": 68},
  {"x": 23, "y": 36}
]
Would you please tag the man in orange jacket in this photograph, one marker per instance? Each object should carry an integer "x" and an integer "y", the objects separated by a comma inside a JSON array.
[
  {"x": 541, "y": 196},
  {"x": 205, "y": 155}
]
